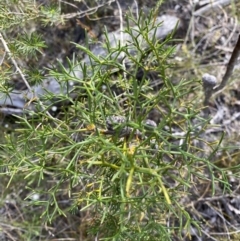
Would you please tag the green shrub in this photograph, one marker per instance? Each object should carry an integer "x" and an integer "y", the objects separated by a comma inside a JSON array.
[{"x": 123, "y": 153}]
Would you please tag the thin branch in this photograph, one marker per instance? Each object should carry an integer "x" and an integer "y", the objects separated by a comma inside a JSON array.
[
  {"x": 211, "y": 6},
  {"x": 1, "y": 61},
  {"x": 230, "y": 66},
  {"x": 89, "y": 11},
  {"x": 34, "y": 97},
  {"x": 137, "y": 10},
  {"x": 14, "y": 62},
  {"x": 121, "y": 36},
  {"x": 209, "y": 81}
]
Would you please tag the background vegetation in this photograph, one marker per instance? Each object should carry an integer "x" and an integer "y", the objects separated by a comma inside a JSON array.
[{"x": 132, "y": 156}]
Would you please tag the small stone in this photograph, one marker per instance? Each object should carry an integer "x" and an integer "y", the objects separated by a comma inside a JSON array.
[
  {"x": 150, "y": 123},
  {"x": 114, "y": 121},
  {"x": 54, "y": 108},
  {"x": 154, "y": 115},
  {"x": 104, "y": 88},
  {"x": 209, "y": 80}
]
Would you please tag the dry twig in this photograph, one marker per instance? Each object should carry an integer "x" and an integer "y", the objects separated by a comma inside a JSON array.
[
  {"x": 211, "y": 6},
  {"x": 14, "y": 62},
  {"x": 33, "y": 97},
  {"x": 230, "y": 66},
  {"x": 81, "y": 14},
  {"x": 209, "y": 81}
]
